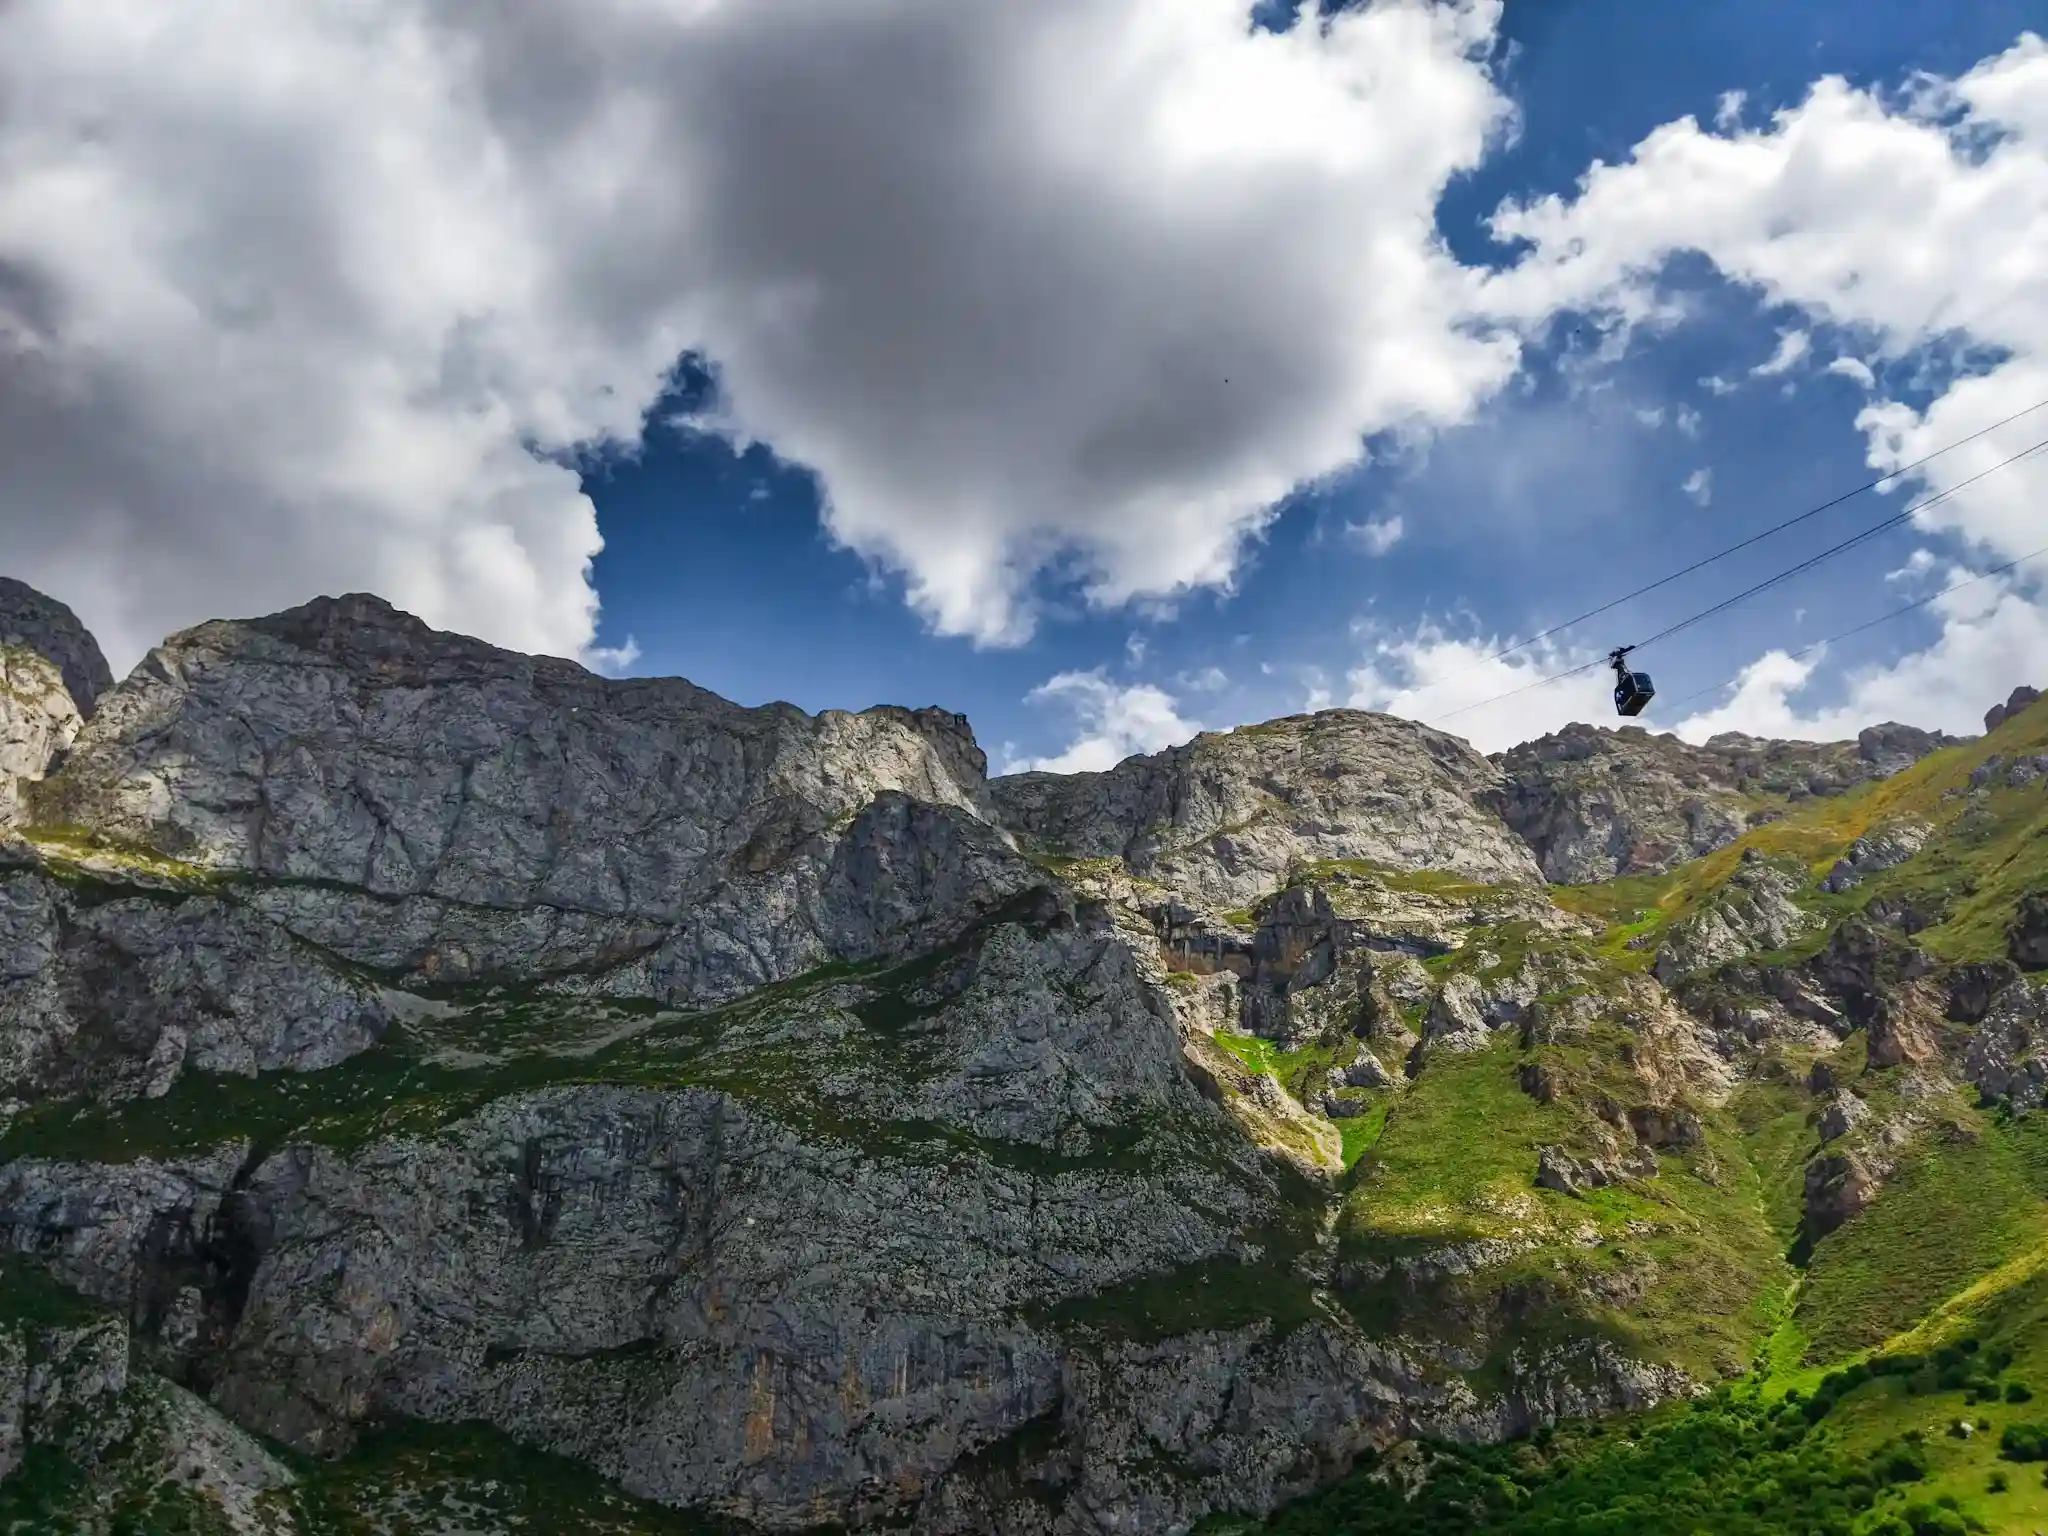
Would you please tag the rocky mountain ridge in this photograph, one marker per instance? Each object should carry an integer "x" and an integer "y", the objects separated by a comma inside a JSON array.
[{"x": 777, "y": 1116}]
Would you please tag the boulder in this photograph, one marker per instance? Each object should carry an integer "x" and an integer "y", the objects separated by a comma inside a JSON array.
[{"x": 2020, "y": 698}]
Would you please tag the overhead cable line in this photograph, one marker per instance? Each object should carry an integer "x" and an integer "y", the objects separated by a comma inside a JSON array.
[
  {"x": 1847, "y": 544},
  {"x": 1756, "y": 538},
  {"x": 1883, "y": 618},
  {"x": 1803, "y": 566}
]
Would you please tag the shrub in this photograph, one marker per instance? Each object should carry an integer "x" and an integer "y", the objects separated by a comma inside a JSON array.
[
  {"x": 2018, "y": 1392},
  {"x": 1995, "y": 1483},
  {"x": 2024, "y": 1442}
]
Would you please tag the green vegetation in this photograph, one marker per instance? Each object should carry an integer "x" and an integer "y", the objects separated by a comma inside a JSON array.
[
  {"x": 1221, "y": 1293},
  {"x": 53, "y": 1491},
  {"x": 1969, "y": 1203},
  {"x": 1732, "y": 1465},
  {"x": 30, "y": 1297},
  {"x": 1423, "y": 882},
  {"x": 469, "y": 1477}
]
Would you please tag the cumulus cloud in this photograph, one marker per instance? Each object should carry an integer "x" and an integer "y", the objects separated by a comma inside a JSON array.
[
  {"x": 1460, "y": 684},
  {"x": 1699, "y": 485},
  {"x": 1914, "y": 224},
  {"x": 1375, "y": 535},
  {"x": 1854, "y": 368},
  {"x": 1112, "y": 722},
  {"x": 325, "y": 295},
  {"x": 1791, "y": 351},
  {"x": 1906, "y": 222},
  {"x": 1994, "y": 634}
]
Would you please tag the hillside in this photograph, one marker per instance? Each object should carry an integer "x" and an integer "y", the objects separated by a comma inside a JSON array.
[{"x": 449, "y": 1091}]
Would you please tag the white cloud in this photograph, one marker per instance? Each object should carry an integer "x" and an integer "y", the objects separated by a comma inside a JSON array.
[
  {"x": 1915, "y": 224},
  {"x": 1918, "y": 564},
  {"x": 613, "y": 660},
  {"x": 1699, "y": 485},
  {"x": 1112, "y": 722},
  {"x": 1714, "y": 384},
  {"x": 1433, "y": 676},
  {"x": 287, "y": 290},
  {"x": 1688, "y": 421},
  {"x": 1854, "y": 368},
  {"x": 1208, "y": 680},
  {"x": 1791, "y": 351},
  {"x": 1652, "y": 416},
  {"x": 1994, "y": 636},
  {"x": 1375, "y": 535},
  {"x": 1134, "y": 650}
]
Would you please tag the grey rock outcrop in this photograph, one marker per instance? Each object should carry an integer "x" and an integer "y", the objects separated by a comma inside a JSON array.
[
  {"x": 1595, "y": 804},
  {"x": 1457, "y": 1020},
  {"x": 31, "y": 621},
  {"x": 1557, "y": 1169},
  {"x": 2019, "y": 699},
  {"x": 38, "y": 723},
  {"x": 1753, "y": 911},
  {"x": 1844, "y": 1113},
  {"x": 1839, "y": 1187},
  {"x": 430, "y": 805},
  {"x": 2003, "y": 1059},
  {"x": 119, "y": 997},
  {"x": 1223, "y": 820},
  {"x": 617, "y": 1271},
  {"x": 1886, "y": 848}
]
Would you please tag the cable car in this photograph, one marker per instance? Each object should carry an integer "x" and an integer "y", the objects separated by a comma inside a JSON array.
[{"x": 1632, "y": 690}]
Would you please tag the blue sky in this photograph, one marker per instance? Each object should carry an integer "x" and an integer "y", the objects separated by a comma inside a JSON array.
[
  {"x": 1557, "y": 498},
  {"x": 1102, "y": 369}
]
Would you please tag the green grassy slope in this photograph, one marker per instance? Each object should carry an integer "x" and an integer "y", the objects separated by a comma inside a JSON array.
[{"x": 1944, "y": 1279}]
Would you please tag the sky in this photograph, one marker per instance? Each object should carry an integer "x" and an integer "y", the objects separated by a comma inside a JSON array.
[{"x": 1105, "y": 370}]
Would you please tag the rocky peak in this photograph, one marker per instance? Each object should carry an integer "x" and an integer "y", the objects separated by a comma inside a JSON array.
[
  {"x": 347, "y": 741},
  {"x": 1595, "y": 803},
  {"x": 1223, "y": 819},
  {"x": 2021, "y": 698},
  {"x": 31, "y": 621}
]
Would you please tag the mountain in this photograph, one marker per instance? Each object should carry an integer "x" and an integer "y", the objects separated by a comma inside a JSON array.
[{"x": 448, "y": 1090}]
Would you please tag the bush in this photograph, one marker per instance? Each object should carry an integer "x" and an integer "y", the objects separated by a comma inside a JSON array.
[
  {"x": 2018, "y": 1392},
  {"x": 2024, "y": 1442},
  {"x": 1901, "y": 1463},
  {"x": 1995, "y": 1483}
]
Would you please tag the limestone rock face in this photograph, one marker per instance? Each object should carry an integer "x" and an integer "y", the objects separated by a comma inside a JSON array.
[
  {"x": 38, "y": 722},
  {"x": 709, "y": 1302},
  {"x": 1753, "y": 911},
  {"x": 2004, "y": 1056},
  {"x": 770, "y": 1113},
  {"x": 1222, "y": 820},
  {"x": 1595, "y": 803},
  {"x": 430, "y": 805},
  {"x": 30, "y": 621},
  {"x": 119, "y": 997},
  {"x": 1885, "y": 848}
]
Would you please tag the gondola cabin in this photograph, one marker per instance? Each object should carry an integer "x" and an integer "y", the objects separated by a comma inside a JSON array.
[{"x": 1632, "y": 690}]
